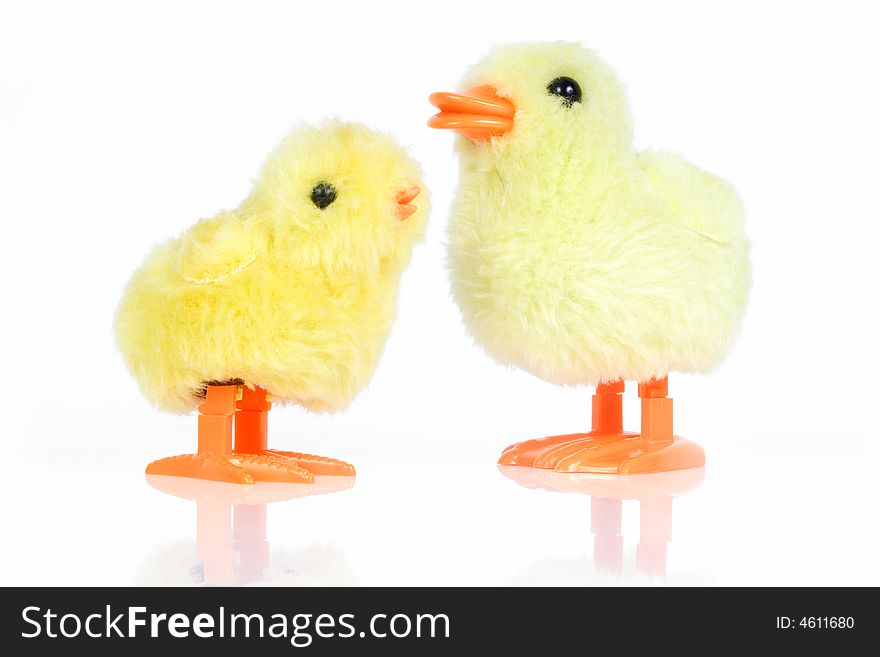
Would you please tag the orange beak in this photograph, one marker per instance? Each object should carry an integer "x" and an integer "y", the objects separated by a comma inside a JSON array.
[
  {"x": 404, "y": 198},
  {"x": 477, "y": 113}
]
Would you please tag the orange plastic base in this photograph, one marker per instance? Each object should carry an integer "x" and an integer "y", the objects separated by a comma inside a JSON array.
[
  {"x": 607, "y": 449},
  {"x": 250, "y": 461}
]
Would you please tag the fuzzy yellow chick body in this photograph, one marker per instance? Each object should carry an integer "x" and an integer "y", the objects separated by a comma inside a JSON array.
[
  {"x": 582, "y": 261},
  {"x": 294, "y": 291},
  {"x": 573, "y": 256}
]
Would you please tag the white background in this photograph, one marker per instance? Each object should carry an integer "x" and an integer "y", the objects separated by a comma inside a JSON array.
[{"x": 121, "y": 125}]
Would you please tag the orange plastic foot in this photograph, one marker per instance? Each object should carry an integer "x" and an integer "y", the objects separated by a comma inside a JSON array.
[
  {"x": 607, "y": 426},
  {"x": 628, "y": 454},
  {"x": 246, "y": 410},
  {"x": 318, "y": 465},
  {"x": 212, "y": 467},
  {"x": 267, "y": 467},
  {"x": 305, "y": 463},
  {"x": 655, "y": 449},
  {"x": 251, "y": 438},
  {"x": 232, "y": 468}
]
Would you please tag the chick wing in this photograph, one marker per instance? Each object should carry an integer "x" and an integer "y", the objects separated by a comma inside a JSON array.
[{"x": 215, "y": 249}]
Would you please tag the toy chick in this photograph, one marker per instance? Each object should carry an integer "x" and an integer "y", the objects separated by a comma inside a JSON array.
[
  {"x": 291, "y": 294},
  {"x": 582, "y": 261}
]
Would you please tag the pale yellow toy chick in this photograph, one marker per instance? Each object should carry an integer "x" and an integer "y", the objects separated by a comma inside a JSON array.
[
  {"x": 583, "y": 261},
  {"x": 291, "y": 294}
]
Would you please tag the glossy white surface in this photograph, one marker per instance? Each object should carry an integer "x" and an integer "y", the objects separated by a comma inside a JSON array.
[{"x": 447, "y": 525}]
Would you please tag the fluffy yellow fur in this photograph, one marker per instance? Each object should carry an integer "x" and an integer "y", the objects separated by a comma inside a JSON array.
[
  {"x": 278, "y": 292},
  {"x": 575, "y": 257}
]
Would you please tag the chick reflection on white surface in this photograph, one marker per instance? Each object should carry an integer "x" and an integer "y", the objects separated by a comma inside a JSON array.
[
  {"x": 654, "y": 494},
  {"x": 231, "y": 546}
]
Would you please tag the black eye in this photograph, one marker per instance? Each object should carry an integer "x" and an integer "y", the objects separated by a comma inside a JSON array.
[
  {"x": 567, "y": 89},
  {"x": 323, "y": 194}
]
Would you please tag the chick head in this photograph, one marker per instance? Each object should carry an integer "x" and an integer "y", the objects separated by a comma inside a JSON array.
[
  {"x": 342, "y": 197},
  {"x": 530, "y": 99}
]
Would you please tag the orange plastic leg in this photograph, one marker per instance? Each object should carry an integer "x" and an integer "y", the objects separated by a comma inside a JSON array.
[
  {"x": 608, "y": 408},
  {"x": 215, "y": 419},
  {"x": 656, "y": 411},
  {"x": 214, "y": 446},
  {"x": 608, "y": 449},
  {"x": 252, "y": 421},
  {"x": 215, "y": 459}
]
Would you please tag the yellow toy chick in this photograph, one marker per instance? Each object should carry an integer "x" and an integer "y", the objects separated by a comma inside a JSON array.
[
  {"x": 583, "y": 261},
  {"x": 293, "y": 293}
]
